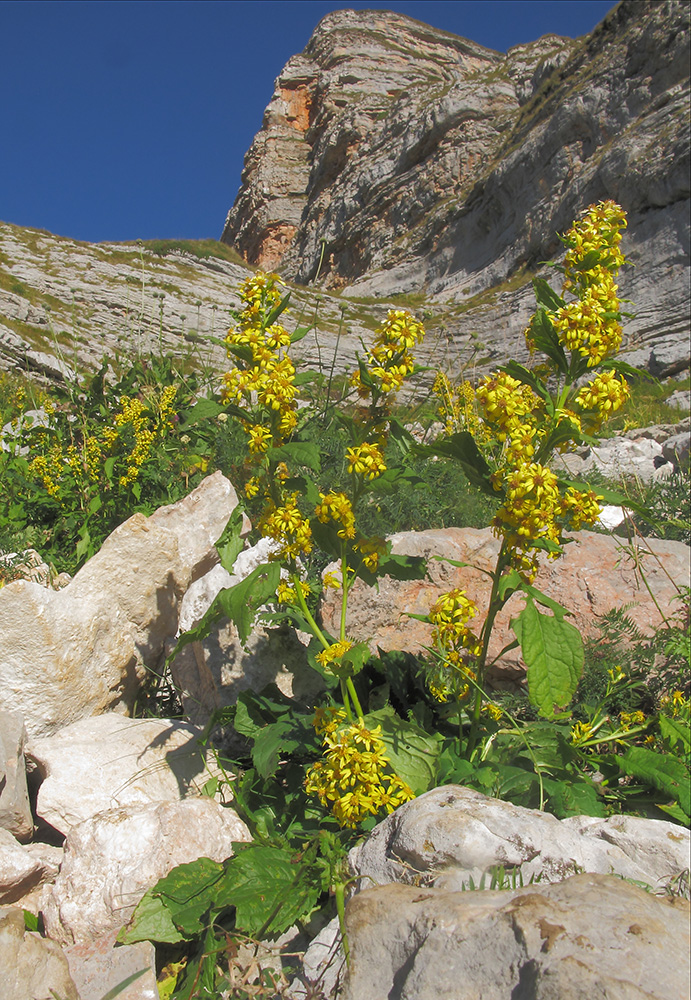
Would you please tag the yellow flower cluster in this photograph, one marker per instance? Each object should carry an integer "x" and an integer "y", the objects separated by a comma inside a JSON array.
[
  {"x": 366, "y": 460},
  {"x": 512, "y": 410},
  {"x": 389, "y": 361},
  {"x": 457, "y": 406},
  {"x": 262, "y": 381},
  {"x": 334, "y": 652},
  {"x": 606, "y": 394},
  {"x": 448, "y": 676},
  {"x": 371, "y": 549},
  {"x": 628, "y": 720},
  {"x": 354, "y": 779},
  {"x": 337, "y": 507},
  {"x": 287, "y": 593},
  {"x": 285, "y": 524},
  {"x": 590, "y": 324}
]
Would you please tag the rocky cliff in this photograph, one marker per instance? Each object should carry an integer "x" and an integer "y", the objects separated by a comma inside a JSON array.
[{"x": 398, "y": 159}]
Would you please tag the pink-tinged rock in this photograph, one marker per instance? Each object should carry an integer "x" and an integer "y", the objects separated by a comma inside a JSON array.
[
  {"x": 595, "y": 575},
  {"x": 15, "y": 811},
  {"x": 114, "y": 857},
  {"x": 99, "y": 966},
  {"x": 83, "y": 650}
]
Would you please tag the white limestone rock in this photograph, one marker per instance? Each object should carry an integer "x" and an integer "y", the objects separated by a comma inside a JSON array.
[
  {"x": 114, "y": 857},
  {"x": 107, "y": 761},
  {"x": 85, "y": 649},
  {"x": 591, "y": 936},
  {"x": 452, "y": 835},
  {"x": 32, "y": 967},
  {"x": 15, "y": 811}
]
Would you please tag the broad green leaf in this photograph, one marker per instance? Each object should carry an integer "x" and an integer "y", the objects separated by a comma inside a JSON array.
[
  {"x": 553, "y": 653},
  {"x": 266, "y": 886},
  {"x": 414, "y": 753},
  {"x": 512, "y": 581},
  {"x": 676, "y": 731},
  {"x": 352, "y": 661},
  {"x": 203, "y": 409},
  {"x": 239, "y": 603},
  {"x": 231, "y": 544},
  {"x": 589, "y": 261},
  {"x": 189, "y": 892},
  {"x": 573, "y": 798},
  {"x": 270, "y": 742},
  {"x": 661, "y": 771},
  {"x": 675, "y": 811},
  {"x": 398, "y": 567},
  {"x": 523, "y": 374},
  {"x": 623, "y": 368},
  {"x": 546, "y": 296},
  {"x": 304, "y": 453},
  {"x": 151, "y": 921}
]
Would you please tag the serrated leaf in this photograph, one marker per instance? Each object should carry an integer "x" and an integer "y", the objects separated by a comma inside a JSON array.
[
  {"x": 265, "y": 886},
  {"x": 151, "y": 921},
  {"x": 676, "y": 731},
  {"x": 395, "y": 566},
  {"x": 661, "y": 771},
  {"x": 304, "y": 453},
  {"x": 414, "y": 753},
  {"x": 352, "y": 661},
  {"x": 577, "y": 798},
  {"x": 591, "y": 259},
  {"x": 277, "y": 310},
  {"x": 270, "y": 742},
  {"x": 553, "y": 652},
  {"x": 189, "y": 892},
  {"x": 524, "y": 375}
]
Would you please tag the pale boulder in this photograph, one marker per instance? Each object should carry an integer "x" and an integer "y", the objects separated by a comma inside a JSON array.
[
  {"x": 594, "y": 575},
  {"x": 114, "y": 857},
  {"x": 32, "y": 967},
  {"x": 85, "y": 649},
  {"x": 591, "y": 936},
  {"x": 15, "y": 811},
  {"x": 107, "y": 761},
  {"x": 451, "y": 836},
  {"x": 19, "y": 871}
]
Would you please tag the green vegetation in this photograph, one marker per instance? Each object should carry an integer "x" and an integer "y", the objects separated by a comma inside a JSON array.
[{"x": 598, "y": 729}]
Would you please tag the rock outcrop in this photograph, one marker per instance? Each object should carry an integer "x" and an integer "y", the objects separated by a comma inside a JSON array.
[
  {"x": 394, "y": 158},
  {"x": 595, "y": 575}
]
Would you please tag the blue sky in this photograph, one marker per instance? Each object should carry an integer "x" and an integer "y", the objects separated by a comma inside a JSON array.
[{"x": 130, "y": 119}]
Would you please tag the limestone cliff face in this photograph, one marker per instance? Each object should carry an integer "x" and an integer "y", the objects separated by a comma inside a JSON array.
[{"x": 409, "y": 160}]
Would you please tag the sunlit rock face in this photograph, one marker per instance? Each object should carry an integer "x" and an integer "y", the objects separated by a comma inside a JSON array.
[{"x": 395, "y": 158}]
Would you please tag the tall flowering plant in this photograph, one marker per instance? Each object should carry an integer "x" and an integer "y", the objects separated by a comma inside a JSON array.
[
  {"x": 534, "y": 412},
  {"x": 355, "y": 776}
]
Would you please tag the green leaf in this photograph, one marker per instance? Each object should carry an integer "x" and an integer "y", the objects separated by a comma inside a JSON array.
[
  {"x": 544, "y": 336},
  {"x": 239, "y": 603},
  {"x": 298, "y": 333},
  {"x": 270, "y": 742},
  {"x": 553, "y": 652},
  {"x": 231, "y": 544},
  {"x": 676, "y": 731},
  {"x": 203, "y": 409},
  {"x": 589, "y": 261},
  {"x": 546, "y": 296},
  {"x": 675, "y": 811},
  {"x": 189, "y": 892},
  {"x": 573, "y": 798},
  {"x": 151, "y": 921},
  {"x": 352, "y": 661},
  {"x": 304, "y": 453},
  {"x": 31, "y": 922},
  {"x": 277, "y": 310},
  {"x": 397, "y": 567},
  {"x": 414, "y": 753},
  {"x": 661, "y": 771},
  {"x": 267, "y": 887},
  {"x": 524, "y": 375},
  {"x": 462, "y": 448}
]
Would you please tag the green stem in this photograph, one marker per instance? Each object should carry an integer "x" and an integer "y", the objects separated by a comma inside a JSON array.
[
  {"x": 344, "y": 591},
  {"x": 339, "y": 893},
  {"x": 356, "y": 701},
  {"x": 295, "y": 580},
  {"x": 346, "y": 700}
]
